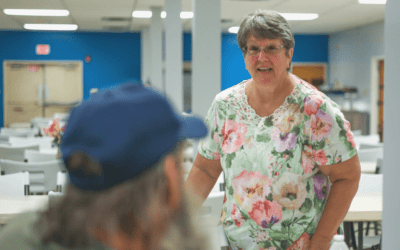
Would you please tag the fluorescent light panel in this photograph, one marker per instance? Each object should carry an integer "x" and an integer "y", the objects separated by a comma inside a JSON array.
[
  {"x": 299, "y": 16},
  {"x": 149, "y": 14},
  {"x": 233, "y": 29},
  {"x": 33, "y": 26},
  {"x": 35, "y": 12},
  {"x": 372, "y": 1}
]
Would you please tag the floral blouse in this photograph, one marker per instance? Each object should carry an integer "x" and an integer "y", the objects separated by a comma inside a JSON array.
[{"x": 275, "y": 192}]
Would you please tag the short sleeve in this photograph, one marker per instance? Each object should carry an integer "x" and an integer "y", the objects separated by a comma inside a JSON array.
[
  {"x": 331, "y": 137},
  {"x": 209, "y": 147}
]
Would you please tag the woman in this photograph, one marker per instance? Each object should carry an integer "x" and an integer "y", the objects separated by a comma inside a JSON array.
[{"x": 281, "y": 143}]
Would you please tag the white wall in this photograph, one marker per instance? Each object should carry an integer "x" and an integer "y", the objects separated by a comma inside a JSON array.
[{"x": 350, "y": 54}]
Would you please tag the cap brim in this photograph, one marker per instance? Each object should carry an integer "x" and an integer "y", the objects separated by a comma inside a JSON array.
[{"x": 192, "y": 127}]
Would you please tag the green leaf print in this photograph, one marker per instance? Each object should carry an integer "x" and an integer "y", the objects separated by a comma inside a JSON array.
[
  {"x": 229, "y": 159},
  {"x": 232, "y": 117},
  {"x": 265, "y": 244},
  {"x": 317, "y": 203},
  {"x": 230, "y": 190},
  {"x": 278, "y": 235},
  {"x": 296, "y": 130},
  {"x": 306, "y": 206},
  {"x": 339, "y": 121},
  {"x": 245, "y": 216},
  {"x": 269, "y": 197},
  {"x": 269, "y": 122},
  {"x": 263, "y": 137},
  {"x": 286, "y": 223},
  {"x": 286, "y": 244},
  {"x": 323, "y": 107},
  {"x": 320, "y": 145},
  {"x": 308, "y": 187}
]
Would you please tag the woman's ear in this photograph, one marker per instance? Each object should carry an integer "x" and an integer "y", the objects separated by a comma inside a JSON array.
[{"x": 174, "y": 182}]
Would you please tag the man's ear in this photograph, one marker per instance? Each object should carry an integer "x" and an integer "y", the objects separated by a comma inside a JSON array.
[{"x": 174, "y": 182}]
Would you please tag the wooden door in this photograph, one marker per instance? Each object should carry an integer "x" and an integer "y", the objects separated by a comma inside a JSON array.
[
  {"x": 381, "y": 94},
  {"x": 64, "y": 87},
  {"x": 314, "y": 74},
  {"x": 21, "y": 90}
]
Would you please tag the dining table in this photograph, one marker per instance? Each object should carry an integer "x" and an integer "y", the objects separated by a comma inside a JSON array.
[
  {"x": 364, "y": 207},
  {"x": 11, "y": 206}
]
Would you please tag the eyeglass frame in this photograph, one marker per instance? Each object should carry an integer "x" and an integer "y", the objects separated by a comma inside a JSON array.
[{"x": 245, "y": 50}]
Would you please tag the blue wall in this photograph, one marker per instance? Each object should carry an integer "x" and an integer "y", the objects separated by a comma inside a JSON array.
[
  {"x": 308, "y": 48},
  {"x": 115, "y": 56}
]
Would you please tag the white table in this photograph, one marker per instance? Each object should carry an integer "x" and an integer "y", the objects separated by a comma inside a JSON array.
[
  {"x": 364, "y": 207},
  {"x": 368, "y": 167},
  {"x": 12, "y": 206}
]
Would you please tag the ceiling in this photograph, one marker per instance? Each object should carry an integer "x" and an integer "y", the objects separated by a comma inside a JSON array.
[{"x": 116, "y": 15}]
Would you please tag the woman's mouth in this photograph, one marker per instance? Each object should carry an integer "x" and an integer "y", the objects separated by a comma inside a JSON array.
[{"x": 264, "y": 69}]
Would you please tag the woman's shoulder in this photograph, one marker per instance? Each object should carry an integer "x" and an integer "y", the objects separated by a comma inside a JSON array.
[{"x": 231, "y": 94}]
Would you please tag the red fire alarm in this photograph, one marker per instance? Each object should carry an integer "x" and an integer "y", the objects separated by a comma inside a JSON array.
[
  {"x": 42, "y": 49},
  {"x": 88, "y": 58}
]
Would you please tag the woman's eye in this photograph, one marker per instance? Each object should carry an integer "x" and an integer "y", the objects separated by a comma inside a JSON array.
[
  {"x": 254, "y": 48},
  {"x": 272, "y": 48}
]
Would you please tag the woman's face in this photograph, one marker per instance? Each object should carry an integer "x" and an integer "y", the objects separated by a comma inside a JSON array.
[{"x": 267, "y": 69}]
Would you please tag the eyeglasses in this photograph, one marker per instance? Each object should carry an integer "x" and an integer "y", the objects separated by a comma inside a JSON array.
[{"x": 270, "y": 49}]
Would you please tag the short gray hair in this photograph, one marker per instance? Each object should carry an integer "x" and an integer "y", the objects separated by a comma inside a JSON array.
[{"x": 265, "y": 24}]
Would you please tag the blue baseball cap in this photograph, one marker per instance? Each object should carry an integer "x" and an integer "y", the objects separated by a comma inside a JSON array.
[{"x": 127, "y": 129}]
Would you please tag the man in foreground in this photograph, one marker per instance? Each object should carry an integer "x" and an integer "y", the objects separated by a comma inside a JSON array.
[{"x": 122, "y": 149}]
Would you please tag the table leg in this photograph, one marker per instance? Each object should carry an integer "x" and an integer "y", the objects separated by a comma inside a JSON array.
[
  {"x": 347, "y": 233},
  {"x": 360, "y": 235}
]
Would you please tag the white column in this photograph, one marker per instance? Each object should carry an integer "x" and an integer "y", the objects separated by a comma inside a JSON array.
[
  {"x": 156, "y": 27},
  {"x": 174, "y": 53},
  {"x": 206, "y": 54},
  {"x": 145, "y": 55},
  {"x": 391, "y": 136}
]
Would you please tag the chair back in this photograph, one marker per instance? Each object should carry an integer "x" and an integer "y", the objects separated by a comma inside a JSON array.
[
  {"x": 37, "y": 156},
  {"x": 43, "y": 142},
  {"x": 15, "y": 153},
  {"x": 370, "y": 154},
  {"x": 19, "y": 132},
  {"x": 62, "y": 180},
  {"x": 42, "y": 175},
  {"x": 14, "y": 184}
]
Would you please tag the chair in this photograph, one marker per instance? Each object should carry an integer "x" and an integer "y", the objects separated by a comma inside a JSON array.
[
  {"x": 209, "y": 215},
  {"x": 37, "y": 156},
  {"x": 16, "y": 184},
  {"x": 43, "y": 142},
  {"x": 62, "y": 180},
  {"x": 15, "y": 153},
  {"x": 20, "y": 125},
  {"x": 42, "y": 175},
  {"x": 19, "y": 132},
  {"x": 370, "y": 154}
]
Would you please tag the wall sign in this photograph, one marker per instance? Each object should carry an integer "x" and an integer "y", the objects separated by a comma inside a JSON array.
[{"x": 42, "y": 49}]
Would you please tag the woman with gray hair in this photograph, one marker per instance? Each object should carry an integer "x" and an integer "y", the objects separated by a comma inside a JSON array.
[{"x": 283, "y": 147}]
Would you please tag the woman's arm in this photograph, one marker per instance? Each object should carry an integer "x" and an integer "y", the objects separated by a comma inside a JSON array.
[
  {"x": 202, "y": 178},
  {"x": 344, "y": 177}
]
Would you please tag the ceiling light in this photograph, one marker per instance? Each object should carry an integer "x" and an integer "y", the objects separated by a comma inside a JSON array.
[
  {"x": 32, "y": 26},
  {"x": 233, "y": 29},
  {"x": 186, "y": 14},
  {"x": 32, "y": 12},
  {"x": 299, "y": 16},
  {"x": 142, "y": 14},
  {"x": 372, "y": 1}
]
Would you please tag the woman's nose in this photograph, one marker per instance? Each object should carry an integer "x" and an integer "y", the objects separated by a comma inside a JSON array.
[{"x": 263, "y": 55}]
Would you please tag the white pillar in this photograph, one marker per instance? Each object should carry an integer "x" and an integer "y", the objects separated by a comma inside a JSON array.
[
  {"x": 145, "y": 55},
  {"x": 174, "y": 53},
  {"x": 156, "y": 27},
  {"x": 206, "y": 54},
  {"x": 391, "y": 136}
]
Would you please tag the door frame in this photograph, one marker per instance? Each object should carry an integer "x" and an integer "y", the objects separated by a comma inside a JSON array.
[
  {"x": 6, "y": 62},
  {"x": 374, "y": 118},
  {"x": 323, "y": 64}
]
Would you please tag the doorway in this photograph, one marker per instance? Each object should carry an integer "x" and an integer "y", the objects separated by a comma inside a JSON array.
[
  {"x": 377, "y": 93},
  {"x": 40, "y": 89}
]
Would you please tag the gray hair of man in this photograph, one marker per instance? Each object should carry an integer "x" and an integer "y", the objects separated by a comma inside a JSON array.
[
  {"x": 137, "y": 204},
  {"x": 265, "y": 24}
]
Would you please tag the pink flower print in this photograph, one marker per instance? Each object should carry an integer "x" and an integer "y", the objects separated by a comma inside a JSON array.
[
  {"x": 250, "y": 186},
  {"x": 287, "y": 118},
  {"x": 233, "y": 134},
  {"x": 289, "y": 191},
  {"x": 283, "y": 142},
  {"x": 216, "y": 137},
  {"x": 285, "y": 156},
  {"x": 321, "y": 125},
  {"x": 302, "y": 243},
  {"x": 320, "y": 157},
  {"x": 312, "y": 104},
  {"x": 349, "y": 134},
  {"x": 217, "y": 156},
  {"x": 307, "y": 159},
  {"x": 266, "y": 213},
  {"x": 237, "y": 216}
]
